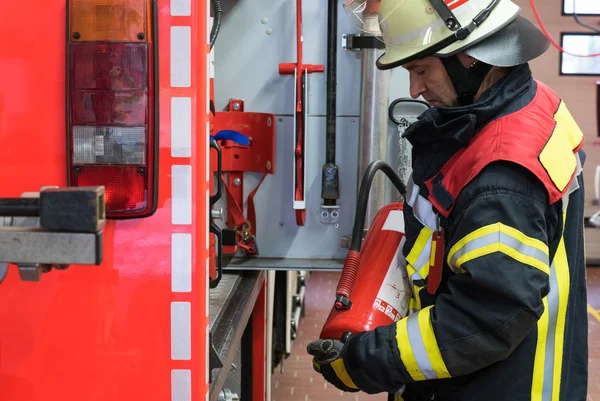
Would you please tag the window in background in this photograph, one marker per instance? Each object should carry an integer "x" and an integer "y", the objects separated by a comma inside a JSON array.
[
  {"x": 580, "y": 43},
  {"x": 582, "y": 7}
]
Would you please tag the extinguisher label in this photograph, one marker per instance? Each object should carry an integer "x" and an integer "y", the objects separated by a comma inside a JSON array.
[{"x": 395, "y": 292}]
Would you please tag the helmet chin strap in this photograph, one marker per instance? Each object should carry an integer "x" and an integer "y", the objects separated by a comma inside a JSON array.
[{"x": 466, "y": 81}]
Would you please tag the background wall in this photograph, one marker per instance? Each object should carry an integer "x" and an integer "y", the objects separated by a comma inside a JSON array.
[{"x": 579, "y": 94}]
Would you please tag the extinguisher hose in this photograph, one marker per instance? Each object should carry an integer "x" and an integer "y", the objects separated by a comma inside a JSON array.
[
  {"x": 363, "y": 198},
  {"x": 352, "y": 262}
]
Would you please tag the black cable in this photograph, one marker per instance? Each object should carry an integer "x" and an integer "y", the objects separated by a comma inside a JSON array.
[
  {"x": 580, "y": 22},
  {"x": 331, "y": 79},
  {"x": 214, "y": 32},
  {"x": 330, "y": 184},
  {"x": 20, "y": 207},
  {"x": 363, "y": 198}
]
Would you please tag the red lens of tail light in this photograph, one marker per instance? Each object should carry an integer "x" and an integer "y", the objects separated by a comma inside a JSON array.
[{"x": 112, "y": 110}]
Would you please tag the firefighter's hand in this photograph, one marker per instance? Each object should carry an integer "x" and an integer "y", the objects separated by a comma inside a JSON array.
[{"x": 328, "y": 360}]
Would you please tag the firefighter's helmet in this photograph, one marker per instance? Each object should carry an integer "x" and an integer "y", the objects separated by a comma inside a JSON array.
[{"x": 489, "y": 30}]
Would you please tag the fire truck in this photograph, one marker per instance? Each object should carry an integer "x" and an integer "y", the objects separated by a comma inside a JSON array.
[{"x": 171, "y": 171}]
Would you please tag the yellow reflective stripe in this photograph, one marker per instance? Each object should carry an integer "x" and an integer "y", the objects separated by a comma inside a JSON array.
[
  {"x": 431, "y": 345},
  {"x": 406, "y": 353},
  {"x": 398, "y": 397},
  {"x": 432, "y": 253},
  {"x": 418, "y": 347},
  {"x": 499, "y": 237},
  {"x": 540, "y": 353},
  {"x": 417, "y": 264},
  {"x": 563, "y": 278},
  {"x": 557, "y": 156},
  {"x": 419, "y": 246},
  {"x": 551, "y": 330},
  {"x": 341, "y": 372},
  {"x": 415, "y": 301}
]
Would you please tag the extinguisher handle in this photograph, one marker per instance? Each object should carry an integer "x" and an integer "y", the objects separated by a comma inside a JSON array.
[{"x": 213, "y": 227}]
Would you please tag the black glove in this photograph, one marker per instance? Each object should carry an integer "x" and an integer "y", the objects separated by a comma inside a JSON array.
[{"x": 329, "y": 361}]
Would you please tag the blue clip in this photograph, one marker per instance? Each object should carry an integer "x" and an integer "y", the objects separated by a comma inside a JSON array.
[{"x": 234, "y": 136}]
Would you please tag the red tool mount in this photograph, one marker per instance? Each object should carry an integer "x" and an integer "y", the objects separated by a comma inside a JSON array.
[
  {"x": 257, "y": 155},
  {"x": 300, "y": 72}
]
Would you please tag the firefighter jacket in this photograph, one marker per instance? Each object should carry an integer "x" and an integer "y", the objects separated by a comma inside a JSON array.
[{"x": 497, "y": 190}]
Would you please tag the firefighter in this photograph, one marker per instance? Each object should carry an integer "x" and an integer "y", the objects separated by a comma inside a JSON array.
[{"x": 493, "y": 215}]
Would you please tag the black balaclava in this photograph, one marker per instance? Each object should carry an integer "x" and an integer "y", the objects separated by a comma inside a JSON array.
[{"x": 466, "y": 81}]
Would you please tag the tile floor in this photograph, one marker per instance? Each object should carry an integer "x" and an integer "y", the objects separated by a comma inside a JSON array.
[{"x": 299, "y": 382}]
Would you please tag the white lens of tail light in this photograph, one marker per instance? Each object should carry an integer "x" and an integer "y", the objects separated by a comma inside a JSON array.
[{"x": 109, "y": 145}]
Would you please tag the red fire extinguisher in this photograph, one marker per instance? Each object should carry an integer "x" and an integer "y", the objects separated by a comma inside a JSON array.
[{"x": 373, "y": 289}]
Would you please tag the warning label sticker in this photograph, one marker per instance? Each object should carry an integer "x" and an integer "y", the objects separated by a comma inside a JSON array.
[{"x": 394, "y": 295}]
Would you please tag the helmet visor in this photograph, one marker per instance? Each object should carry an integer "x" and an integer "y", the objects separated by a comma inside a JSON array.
[{"x": 393, "y": 24}]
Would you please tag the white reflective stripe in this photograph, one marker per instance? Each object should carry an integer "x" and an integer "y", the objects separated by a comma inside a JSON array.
[
  {"x": 181, "y": 194},
  {"x": 418, "y": 347},
  {"x": 499, "y": 237},
  {"x": 422, "y": 208},
  {"x": 553, "y": 301},
  {"x": 181, "y": 8},
  {"x": 181, "y": 262},
  {"x": 181, "y": 56},
  {"x": 424, "y": 256},
  {"x": 181, "y": 385},
  {"x": 181, "y": 126},
  {"x": 182, "y": 245},
  {"x": 181, "y": 331},
  {"x": 426, "y": 32}
]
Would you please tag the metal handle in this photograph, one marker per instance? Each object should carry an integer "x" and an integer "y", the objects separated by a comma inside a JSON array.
[
  {"x": 219, "y": 262},
  {"x": 214, "y": 198},
  {"x": 213, "y": 227}
]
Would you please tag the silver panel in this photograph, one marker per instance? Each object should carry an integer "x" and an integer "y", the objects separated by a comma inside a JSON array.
[
  {"x": 255, "y": 37},
  {"x": 373, "y": 127},
  {"x": 277, "y": 232}
]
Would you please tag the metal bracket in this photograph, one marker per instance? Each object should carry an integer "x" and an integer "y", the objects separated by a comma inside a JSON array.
[
  {"x": 67, "y": 231},
  {"x": 358, "y": 42},
  {"x": 330, "y": 214}
]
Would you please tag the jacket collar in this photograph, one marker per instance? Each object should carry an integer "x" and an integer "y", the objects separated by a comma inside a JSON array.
[
  {"x": 440, "y": 132},
  {"x": 462, "y": 123}
]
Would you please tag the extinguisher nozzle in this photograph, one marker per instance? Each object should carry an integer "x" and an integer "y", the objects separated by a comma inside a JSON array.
[{"x": 342, "y": 302}]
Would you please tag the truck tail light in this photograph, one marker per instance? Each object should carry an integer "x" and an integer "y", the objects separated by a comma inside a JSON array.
[{"x": 112, "y": 136}]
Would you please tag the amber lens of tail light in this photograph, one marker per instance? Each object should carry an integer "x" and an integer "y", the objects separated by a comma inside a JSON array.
[{"x": 110, "y": 20}]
